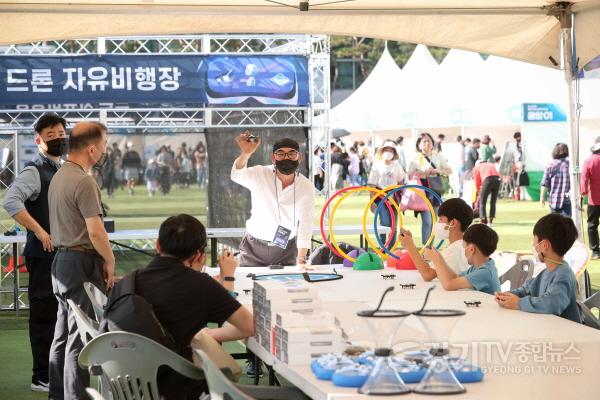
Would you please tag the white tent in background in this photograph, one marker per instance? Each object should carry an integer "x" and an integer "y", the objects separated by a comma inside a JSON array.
[
  {"x": 509, "y": 83},
  {"x": 420, "y": 62},
  {"x": 373, "y": 106},
  {"x": 460, "y": 80}
]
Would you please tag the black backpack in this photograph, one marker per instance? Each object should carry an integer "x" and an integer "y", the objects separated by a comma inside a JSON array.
[
  {"x": 323, "y": 255},
  {"x": 129, "y": 312}
]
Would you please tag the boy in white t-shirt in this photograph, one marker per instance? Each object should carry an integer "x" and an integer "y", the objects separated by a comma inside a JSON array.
[{"x": 454, "y": 217}]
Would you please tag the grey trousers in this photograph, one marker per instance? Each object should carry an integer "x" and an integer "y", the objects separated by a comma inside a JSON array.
[
  {"x": 70, "y": 270},
  {"x": 257, "y": 253}
]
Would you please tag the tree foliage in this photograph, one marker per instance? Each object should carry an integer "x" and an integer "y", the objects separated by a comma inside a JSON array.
[{"x": 368, "y": 50}]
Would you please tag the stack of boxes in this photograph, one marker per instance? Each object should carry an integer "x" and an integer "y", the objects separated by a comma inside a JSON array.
[{"x": 289, "y": 322}]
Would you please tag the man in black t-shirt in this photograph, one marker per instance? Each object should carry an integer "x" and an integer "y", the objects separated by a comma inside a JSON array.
[{"x": 185, "y": 299}]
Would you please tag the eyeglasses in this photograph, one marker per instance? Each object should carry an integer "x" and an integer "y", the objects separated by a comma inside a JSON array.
[{"x": 281, "y": 155}]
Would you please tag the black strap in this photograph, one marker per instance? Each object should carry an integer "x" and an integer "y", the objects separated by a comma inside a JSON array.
[{"x": 429, "y": 161}]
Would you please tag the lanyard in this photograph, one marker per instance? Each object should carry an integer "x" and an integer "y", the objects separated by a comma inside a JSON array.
[{"x": 277, "y": 197}]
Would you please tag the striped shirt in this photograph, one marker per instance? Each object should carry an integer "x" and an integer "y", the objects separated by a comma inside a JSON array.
[{"x": 556, "y": 179}]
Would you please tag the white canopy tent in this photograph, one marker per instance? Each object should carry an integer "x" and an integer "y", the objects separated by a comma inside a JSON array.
[
  {"x": 521, "y": 29},
  {"x": 535, "y": 31}
]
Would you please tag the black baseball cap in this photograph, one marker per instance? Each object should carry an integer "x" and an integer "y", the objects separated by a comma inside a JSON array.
[{"x": 286, "y": 142}]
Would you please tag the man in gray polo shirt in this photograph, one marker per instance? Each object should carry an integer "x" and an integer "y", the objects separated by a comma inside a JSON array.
[{"x": 83, "y": 253}]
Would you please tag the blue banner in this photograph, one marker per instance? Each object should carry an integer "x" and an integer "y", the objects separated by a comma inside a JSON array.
[
  {"x": 543, "y": 112},
  {"x": 158, "y": 79}
]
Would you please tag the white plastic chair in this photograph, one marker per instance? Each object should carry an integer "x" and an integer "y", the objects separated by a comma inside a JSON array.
[
  {"x": 130, "y": 363},
  {"x": 97, "y": 298},
  {"x": 87, "y": 327},
  {"x": 518, "y": 274},
  {"x": 578, "y": 257},
  {"x": 221, "y": 388},
  {"x": 94, "y": 395},
  {"x": 587, "y": 307}
]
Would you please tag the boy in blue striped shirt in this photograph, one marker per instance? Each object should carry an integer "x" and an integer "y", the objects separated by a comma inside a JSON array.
[{"x": 553, "y": 291}]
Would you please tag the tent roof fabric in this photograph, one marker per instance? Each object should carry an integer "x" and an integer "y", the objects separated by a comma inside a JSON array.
[{"x": 518, "y": 29}]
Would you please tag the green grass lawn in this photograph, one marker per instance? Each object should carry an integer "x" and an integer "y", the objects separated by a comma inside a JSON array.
[{"x": 514, "y": 225}]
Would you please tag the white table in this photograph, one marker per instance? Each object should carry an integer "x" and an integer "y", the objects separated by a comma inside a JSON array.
[
  {"x": 213, "y": 235},
  {"x": 492, "y": 337}
]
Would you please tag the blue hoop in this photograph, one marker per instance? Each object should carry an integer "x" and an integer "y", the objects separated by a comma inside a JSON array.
[{"x": 378, "y": 209}]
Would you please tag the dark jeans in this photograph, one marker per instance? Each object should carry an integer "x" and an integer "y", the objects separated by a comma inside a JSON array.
[
  {"x": 257, "y": 253},
  {"x": 565, "y": 209},
  {"x": 42, "y": 315},
  {"x": 490, "y": 187},
  {"x": 70, "y": 270},
  {"x": 593, "y": 213}
]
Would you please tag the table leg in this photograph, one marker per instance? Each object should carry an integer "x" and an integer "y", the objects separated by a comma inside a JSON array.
[
  {"x": 16, "y": 277},
  {"x": 272, "y": 378},
  {"x": 256, "y": 369},
  {"x": 213, "y": 252}
]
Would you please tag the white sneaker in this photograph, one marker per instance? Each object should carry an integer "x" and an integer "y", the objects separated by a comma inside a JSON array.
[{"x": 40, "y": 387}]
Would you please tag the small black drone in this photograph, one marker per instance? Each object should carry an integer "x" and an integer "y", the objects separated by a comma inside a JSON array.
[
  {"x": 388, "y": 276},
  {"x": 472, "y": 303},
  {"x": 407, "y": 286},
  {"x": 247, "y": 291}
]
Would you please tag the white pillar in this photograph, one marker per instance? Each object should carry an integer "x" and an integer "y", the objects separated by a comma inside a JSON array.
[{"x": 568, "y": 54}]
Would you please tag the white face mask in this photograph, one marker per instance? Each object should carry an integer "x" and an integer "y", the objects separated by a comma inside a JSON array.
[
  {"x": 536, "y": 254},
  {"x": 441, "y": 231},
  {"x": 388, "y": 155}
]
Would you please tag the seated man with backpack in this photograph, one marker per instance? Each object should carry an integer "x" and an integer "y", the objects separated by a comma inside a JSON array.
[{"x": 170, "y": 300}]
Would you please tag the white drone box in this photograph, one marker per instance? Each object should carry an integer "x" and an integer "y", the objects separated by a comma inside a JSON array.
[{"x": 297, "y": 319}]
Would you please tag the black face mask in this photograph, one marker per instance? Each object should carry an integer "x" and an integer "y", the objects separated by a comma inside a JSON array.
[
  {"x": 57, "y": 147},
  {"x": 102, "y": 161},
  {"x": 287, "y": 167}
]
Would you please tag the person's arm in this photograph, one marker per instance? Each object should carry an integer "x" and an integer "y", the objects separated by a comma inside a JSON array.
[
  {"x": 400, "y": 175},
  {"x": 406, "y": 239},
  {"x": 585, "y": 179},
  {"x": 554, "y": 301},
  {"x": 524, "y": 290},
  {"x": 227, "y": 266},
  {"x": 87, "y": 200},
  {"x": 240, "y": 325},
  {"x": 477, "y": 177},
  {"x": 543, "y": 191},
  {"x": 442, "y": 165},
  {"x": 545, "y": 184},
  {"x": 413, "y": 169},
  {"x": 449, "y": 279},
  {"x": 99, "y": 239},
  {"x": 239, "y": 171},
  {"x": 27, "y": 185}
]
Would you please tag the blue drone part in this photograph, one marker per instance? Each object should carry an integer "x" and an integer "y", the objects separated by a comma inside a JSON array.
[
  {"x": 353, "y": 376},
  {"x": 325, "y": 366},
  {"x": 468, "y": 373}
]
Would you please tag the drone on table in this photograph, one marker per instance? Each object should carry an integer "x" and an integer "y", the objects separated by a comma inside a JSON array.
[
  {"x": 407, "y": 286},
  {"x": 472, "y": 303}
]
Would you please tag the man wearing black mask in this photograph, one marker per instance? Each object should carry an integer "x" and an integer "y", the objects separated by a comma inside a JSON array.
[
  {"x": 26, "y": 201},
  {"x": 283, "y": 205}
]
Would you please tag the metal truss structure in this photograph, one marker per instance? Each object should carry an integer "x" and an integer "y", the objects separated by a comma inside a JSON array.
[{"x": 169, "y": 119}]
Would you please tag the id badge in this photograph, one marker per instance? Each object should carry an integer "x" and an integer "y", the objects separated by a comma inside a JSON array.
[{"x": 282, "y": 237}]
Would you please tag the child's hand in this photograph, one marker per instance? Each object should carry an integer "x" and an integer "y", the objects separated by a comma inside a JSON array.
[
  {"x": 507, "y": 300},
  {"x": 406, "y": 238},
  {"x": 430, "y": 253}
]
